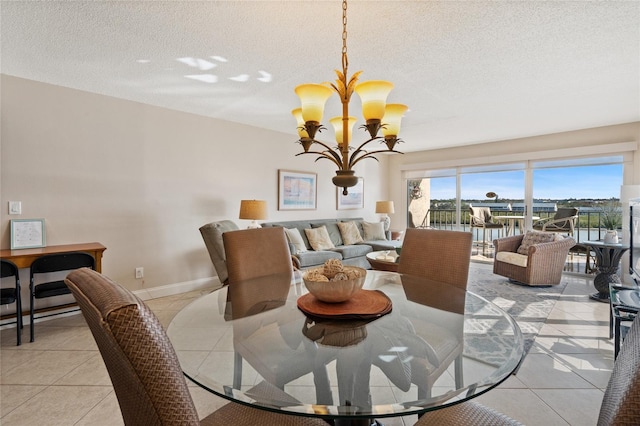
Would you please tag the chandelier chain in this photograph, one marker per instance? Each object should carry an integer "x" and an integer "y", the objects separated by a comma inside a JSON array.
[{"x": 345, "y": 61}]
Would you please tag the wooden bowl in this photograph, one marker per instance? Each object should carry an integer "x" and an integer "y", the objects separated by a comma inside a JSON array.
[{"x": 336, "y": 291}]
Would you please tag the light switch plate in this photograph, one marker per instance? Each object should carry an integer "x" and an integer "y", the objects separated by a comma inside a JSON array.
[{"x": 15, "y": 207}]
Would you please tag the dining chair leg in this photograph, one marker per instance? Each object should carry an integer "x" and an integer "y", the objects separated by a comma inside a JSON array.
[
  {"x": 237, "y": 370},
  {"x": 616, "y": 341},
  {"x": 458, "y": 372},
  {"x": 611, "y": 320}
]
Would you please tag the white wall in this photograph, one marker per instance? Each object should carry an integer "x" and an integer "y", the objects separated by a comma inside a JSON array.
[{"x": 141, "y": 179}]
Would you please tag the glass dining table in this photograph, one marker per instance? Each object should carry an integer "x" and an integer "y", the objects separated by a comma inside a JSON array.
[{"x": 253, "y": 343}]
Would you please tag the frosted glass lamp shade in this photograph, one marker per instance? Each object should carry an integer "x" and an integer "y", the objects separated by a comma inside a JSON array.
[
  {"x": 373, "y": 95},
  {"x": 297, "y": 113},
  {"x": 392, "y": 119},
  {"x": 337, "y": 124},
  {"x": 313, "y": 97}
]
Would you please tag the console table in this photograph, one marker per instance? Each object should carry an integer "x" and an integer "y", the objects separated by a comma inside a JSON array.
[{"x": 23, "y": 258}]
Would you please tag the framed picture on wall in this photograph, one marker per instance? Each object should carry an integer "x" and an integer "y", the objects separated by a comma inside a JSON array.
[
  {"x": 354, "y": 199},
  {"x": 297, "y": 190},
  {"x": 27, "y": 233}
]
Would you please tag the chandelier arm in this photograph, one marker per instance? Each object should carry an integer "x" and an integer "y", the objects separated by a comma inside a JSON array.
[
  {"x": 337, "y": 158},
  {"x": 359, "y": 149},
  {"x": 370, "y": 155},
  {"x": 323, "y": 154}
]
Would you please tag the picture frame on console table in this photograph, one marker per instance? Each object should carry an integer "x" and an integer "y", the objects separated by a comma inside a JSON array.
[
  {"x": 297, "y": 190},
  {"x": 353, "y": 200},
  {"x": 27, "y": 233}
]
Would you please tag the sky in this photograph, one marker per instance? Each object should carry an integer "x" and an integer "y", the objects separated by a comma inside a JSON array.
[{"x": 602, "y": 181}]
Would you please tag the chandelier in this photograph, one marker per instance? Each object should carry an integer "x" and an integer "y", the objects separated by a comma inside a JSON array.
[{"x": 378, "y": 115}]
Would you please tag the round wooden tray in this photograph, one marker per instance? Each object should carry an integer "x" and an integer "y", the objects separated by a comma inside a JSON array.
[{"x": 364, "y": 304}]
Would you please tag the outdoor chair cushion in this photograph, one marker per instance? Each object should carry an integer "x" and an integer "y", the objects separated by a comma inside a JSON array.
[{"x": 512, "y": 258}]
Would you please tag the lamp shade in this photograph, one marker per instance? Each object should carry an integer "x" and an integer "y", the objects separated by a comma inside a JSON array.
[
  {"x": 392, "y": 117},
  {"x": 297, "y": 113},
  {"x": 253, "y": 209},
  {"x": 373, "y": 95},
  {"x": 313, "y": 97},
  {"x": 385, "y": 207},
  {"x": 337, "y": 124}
]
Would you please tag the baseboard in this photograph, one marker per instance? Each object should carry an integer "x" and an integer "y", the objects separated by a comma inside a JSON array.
[{"x": 178, "y": 288}]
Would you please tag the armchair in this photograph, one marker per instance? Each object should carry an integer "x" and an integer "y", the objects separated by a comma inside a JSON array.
[
  {"x": 564, "y": 221},
  {"x": 212, "y": 236},
  {"x": 535, "y": 258}
]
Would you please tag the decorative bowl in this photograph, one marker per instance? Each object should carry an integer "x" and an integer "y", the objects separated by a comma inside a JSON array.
[{"x": 335, "y": 291}]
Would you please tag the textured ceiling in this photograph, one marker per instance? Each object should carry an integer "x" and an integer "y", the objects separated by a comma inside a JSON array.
[{"x": 470, "y": 72}]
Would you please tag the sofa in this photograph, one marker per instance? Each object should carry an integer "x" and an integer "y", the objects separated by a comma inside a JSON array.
[{"x": 342, "y": 245}]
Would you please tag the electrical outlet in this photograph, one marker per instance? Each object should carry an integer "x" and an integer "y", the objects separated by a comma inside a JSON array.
[
  {"x": 15, "y": 207},
  {"x": 139, "y": 272}
]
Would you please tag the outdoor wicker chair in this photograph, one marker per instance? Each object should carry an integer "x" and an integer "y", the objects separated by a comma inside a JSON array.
[{"x": 540, "y": 264}]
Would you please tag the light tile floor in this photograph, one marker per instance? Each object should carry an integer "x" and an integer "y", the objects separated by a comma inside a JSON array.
[{"x": 60, "y": 378}]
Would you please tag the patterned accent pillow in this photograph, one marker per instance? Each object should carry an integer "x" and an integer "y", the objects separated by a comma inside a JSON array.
[
  {"x": 350, "y": 233},
  {"x": 319, "y": 238},
  {"x": 295, "y": 238},
  {"x": 535, "y": 237},
  {"x": 373, "y": 231}
]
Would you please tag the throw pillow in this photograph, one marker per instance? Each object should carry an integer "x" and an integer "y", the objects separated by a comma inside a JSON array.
[
  {"x": 535, "y": 237},
  {"x": 334, "y": 232},
  {"x": 373, "y": 231},
  {"x": 295, "y": 238},
  {"x": 319, "y": 238},
  {"x": 350, "y": 233}
]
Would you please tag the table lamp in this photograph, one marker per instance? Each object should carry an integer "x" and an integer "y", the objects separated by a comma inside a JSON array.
[
  {"x": 253, "y": 210},
  {"x": 385, "y": 208}
]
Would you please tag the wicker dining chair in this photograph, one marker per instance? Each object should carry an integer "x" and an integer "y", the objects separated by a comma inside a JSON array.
[
  {"x": 264, "y": 252},
  {"x": 142, "y": 362},
  {"x": 257, "y": 252},
  {"x": 440, "y": 256},
  {"x": 620, "y": 404}
]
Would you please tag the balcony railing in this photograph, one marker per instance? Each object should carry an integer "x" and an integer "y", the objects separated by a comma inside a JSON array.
[{"x": 587, "y": 226}]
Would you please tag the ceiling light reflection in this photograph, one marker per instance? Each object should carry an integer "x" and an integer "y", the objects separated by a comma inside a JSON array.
[
  {"x": 205, "y": 78},
  {"x": 265, "y": 77},
  {"x": 241, "y": 78},
  {"x": 201, "y": 64}
]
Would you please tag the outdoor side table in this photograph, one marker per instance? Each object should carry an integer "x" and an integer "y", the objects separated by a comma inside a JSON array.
[{"x": 607, "y": 263}]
